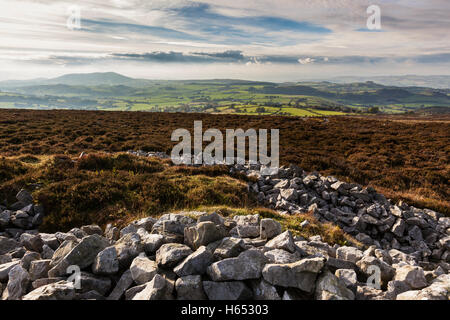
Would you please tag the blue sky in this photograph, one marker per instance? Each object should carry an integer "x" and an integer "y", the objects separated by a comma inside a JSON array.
[{"x": 283, "y": 40}]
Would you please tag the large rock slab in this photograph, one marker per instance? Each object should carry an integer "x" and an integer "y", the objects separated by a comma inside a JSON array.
[
  {"x": 413, "y": 276},
  {"x": 18, "y": 283},
  {"x": 202, "y": 234},
  {"x": 438, "y": 290},
  {"x": 301, "y": 274},
  {"x": 61, "y": 290},
  {"x": 106, "y": 262},
  {"x": 143, "y": 269},
  {"x": 128, "y": 247},
  {"x": 157, "y": 289},
  {"x": 32, "y": 242},
  {"x": 5, "y": 268},
  {"x": 281, "y": 256},
  {"x": 248, "y": 265},
  {"x": 228, "y": 248},
  {"x": 269, "y": 228},
  {"x": 125, "y": 282},
  {"x": 329, "y": 287},
  {"x": 39, "y": 269},
  {"x": 170, "y": 254},
  {"x": 8, "y": 245},
  {"x": 283, "y": 241},
  {"x": 196, "y": 263},
  {"x": 82, "y": 255},
  {"x": 349, "y": 254}
]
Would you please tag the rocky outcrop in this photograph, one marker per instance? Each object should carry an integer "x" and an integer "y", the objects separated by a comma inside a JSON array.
[
  {"x": 276, "y": 266},
  {"x": 196, "y": 255},
  {"x": 361, "y": 212}
]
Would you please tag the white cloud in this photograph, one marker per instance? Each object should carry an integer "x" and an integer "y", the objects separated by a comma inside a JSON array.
[{"x": 306, "y": 60}]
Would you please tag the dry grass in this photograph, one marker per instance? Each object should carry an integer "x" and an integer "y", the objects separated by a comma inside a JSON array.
[
  {"x": 101, "y": 188},
  {"x": 330, "y": 233}
]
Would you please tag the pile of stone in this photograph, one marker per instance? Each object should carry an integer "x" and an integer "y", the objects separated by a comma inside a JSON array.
[
  {"x": 151, "y": 154},
  {"x": 197, "y": 255},
  {"x": 361, "y": 212},
  {"x": 21, "y": 216}
]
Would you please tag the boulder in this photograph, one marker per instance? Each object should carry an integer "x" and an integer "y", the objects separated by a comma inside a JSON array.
[
  {"x": 196, "y": 263},
  {"x": 247, "y": 220},
  {"x": 170, "y": 254},
  {"x": 329, "y": 287},
  {"x": 228, "y": 248},
  {"x": 438, "y": 290},
  {"x": 143, "y": 269},
  {"x": 62, "y": 251},
  {"x": 281, "y": 256},
  {"x": 47, "y": 252},
  {"x": 290, "y": 195},
  {"x": 369, "y": 293},
  {"x": 106, "y": 262},
  {"x": 91, "y": 282},
  {"x": 28, "y": 257},
  {"x": 5, "y": 218},
  {"x": 351, "y": 254},
  {"x": 248, "y": 265},
  {"x": 283, "y": 241},
  {"x": 154, "y": 290},
  {"x": 413, "y": 276},
  {"x": 112, "y": 233},
  {"x": 262, "y": 290},
  {"x": 190, "y": 288},
  {"x": 269, "y": 228},
  {"x": 347, "y": 276},
  {"x": 18, "y": 283},
  {"x": 301, "y": 274},
  {"x": 151, "y": 242},
  {"x": 125, "y": 282},
  {"x": 24, "y": 197},
  {"x": 8, "y": 245},
  {"x": 45, "y": 281},
  {"x": 399, "y": 227},
  {"x": 246, "y": 231},
  {"x": 61, "y": 290},
  {"x": 128, "y": 247},
  {"x": 39, "y": 269},
  {"x": 213, "y": 217},
  {"x": 5, "y": 268},
  {"x": 82, "y": 255},
  {"x": 202, "y": 234}
]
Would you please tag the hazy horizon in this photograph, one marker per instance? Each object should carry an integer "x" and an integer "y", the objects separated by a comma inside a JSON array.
[{"x": 219, "y": 78}]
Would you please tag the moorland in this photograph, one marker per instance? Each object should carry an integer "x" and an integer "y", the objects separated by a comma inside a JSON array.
[{"x": 403, "y": 158}]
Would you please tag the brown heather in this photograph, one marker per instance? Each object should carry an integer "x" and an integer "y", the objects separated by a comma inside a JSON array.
[{"x": 403, "y": 158}]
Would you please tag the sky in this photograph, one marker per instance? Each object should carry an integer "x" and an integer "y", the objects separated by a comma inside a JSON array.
[{"x": 272, "y": 40}]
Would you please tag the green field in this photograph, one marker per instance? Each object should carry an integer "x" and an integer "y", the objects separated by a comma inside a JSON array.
[{"x": 306, "y": 99}]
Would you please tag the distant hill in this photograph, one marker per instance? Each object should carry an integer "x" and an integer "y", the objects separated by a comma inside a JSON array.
[
  {"x": 439, "y": 82},
  {"x": 80, "y": 79}
]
